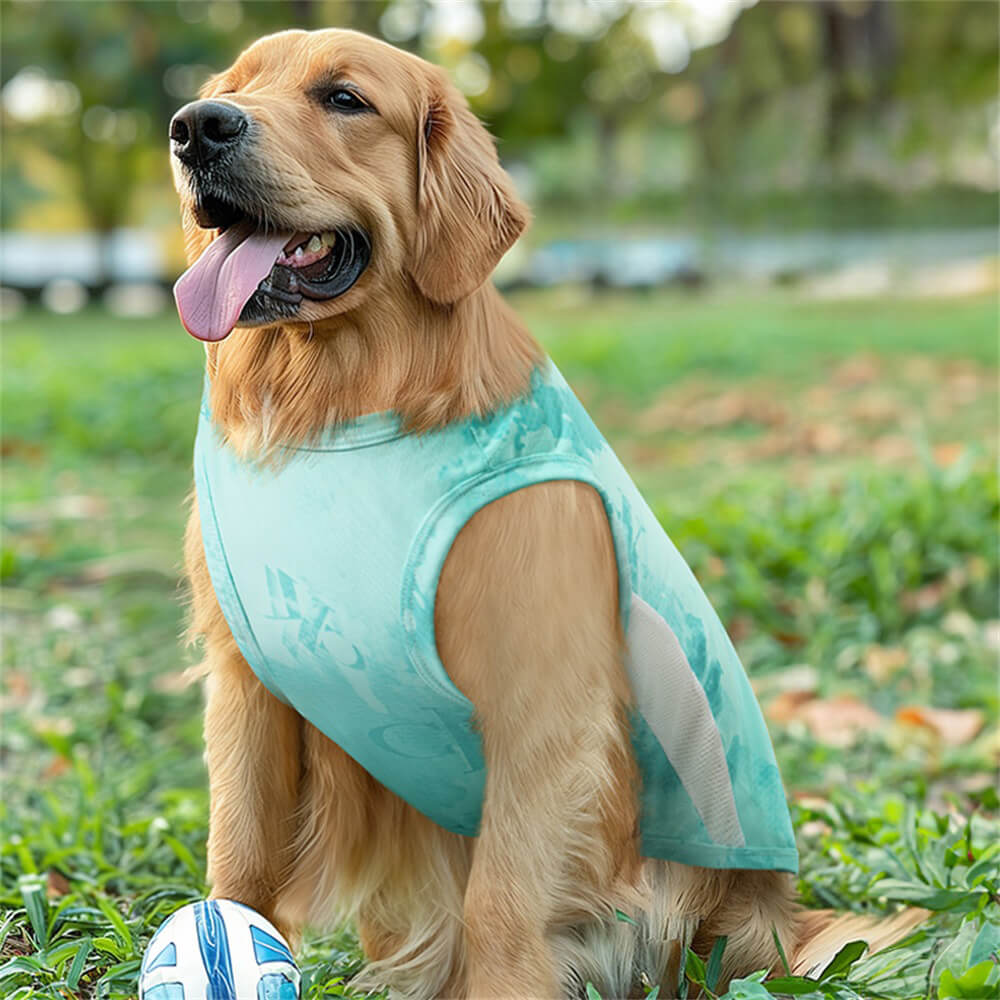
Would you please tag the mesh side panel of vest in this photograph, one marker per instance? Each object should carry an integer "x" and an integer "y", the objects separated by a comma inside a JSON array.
[{"x": 674, "y": 705}]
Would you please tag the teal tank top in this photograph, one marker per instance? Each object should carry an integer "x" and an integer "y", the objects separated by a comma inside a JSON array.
[{"x": 326, "y": 569}]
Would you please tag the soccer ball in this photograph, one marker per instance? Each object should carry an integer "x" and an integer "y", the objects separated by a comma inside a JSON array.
[{"x": 218, "y": 950}]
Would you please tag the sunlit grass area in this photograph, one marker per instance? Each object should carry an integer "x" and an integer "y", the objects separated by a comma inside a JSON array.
[{"x": 826, "y": 468}]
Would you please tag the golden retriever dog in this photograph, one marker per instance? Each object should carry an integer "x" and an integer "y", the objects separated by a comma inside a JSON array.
[{"x": 343, "y": 210}]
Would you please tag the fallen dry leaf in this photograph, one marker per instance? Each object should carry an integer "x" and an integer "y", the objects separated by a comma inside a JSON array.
[
  {"x": 789, "y": 638},
  {"x": 882, "y": 662},
  {"x": 837, "y": 722},
  {"x": 57, "y": 766},
  {"x": 948, "y": 454},
  {"x": 964, "y": 383},
  {"x": 819, "y": 397},
  {"x": 954, "y": 726},
  {"x": 926, "y": 598},
  {"x": 920, "y": 369},
  {"x": 892, "y": 448},
  {"x": 824, "y": 438},
  {"x": 859, "y": 370},
  {"x": 715, "y": 567},
  {"x": 788, "y": 704},
  {"x": 17, "y": 683},
  {"x": 876, "y": 407},
  {"x": 56, "y": 884},
  {"x": 711, "y": 411},
  {"x": 740, "y": 627},
  {"x": 16, "y": 448},
  {"x": 798, "y": 677}
]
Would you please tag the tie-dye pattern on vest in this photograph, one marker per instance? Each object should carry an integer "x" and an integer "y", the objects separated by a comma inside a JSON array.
[{"x": 326, "y": 569}]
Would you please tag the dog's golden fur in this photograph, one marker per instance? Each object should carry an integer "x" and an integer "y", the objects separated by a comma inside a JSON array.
[{"x": 301, "y": 832}]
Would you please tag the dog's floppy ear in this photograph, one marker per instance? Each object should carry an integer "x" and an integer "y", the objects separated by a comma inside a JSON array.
[{"x": 468, "y": 213}]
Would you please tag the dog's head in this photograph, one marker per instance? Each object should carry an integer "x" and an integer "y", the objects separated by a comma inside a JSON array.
[{"x": 327, "y": 165}]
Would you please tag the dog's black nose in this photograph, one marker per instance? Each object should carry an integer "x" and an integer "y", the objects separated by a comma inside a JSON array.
[{"x": 203, "y": 130}]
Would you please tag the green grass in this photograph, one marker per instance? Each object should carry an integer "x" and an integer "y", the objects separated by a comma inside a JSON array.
[{"x": 827, "y": 469}]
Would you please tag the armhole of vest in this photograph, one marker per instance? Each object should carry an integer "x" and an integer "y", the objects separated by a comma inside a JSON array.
[
  {"x": 440, "y": 528},
  {"x": 223, "y": 584}
]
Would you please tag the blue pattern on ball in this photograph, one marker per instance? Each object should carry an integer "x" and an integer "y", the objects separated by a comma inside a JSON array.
[
  {"x": 166, "y": 991},
  {"x": 276, "y": 987},
  {"x": 268, "y": 949},
  {"x": 213, "y": 942},
  {"x": 166, "y": 957}
]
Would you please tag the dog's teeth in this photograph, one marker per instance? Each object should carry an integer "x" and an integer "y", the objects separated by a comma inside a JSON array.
[
  {"x": 314, "y": 244},
  {"x": 298, "y": 251},
  {"x": 328, "y": 239}
]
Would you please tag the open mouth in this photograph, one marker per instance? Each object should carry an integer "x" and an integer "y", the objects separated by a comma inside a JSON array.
[
  {"x": 252, "y": 274},
  {"x": 318, "y": 265}
]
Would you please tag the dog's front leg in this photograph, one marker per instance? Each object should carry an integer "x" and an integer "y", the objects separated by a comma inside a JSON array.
[
  {"x": 528, "y": 628},
  {"x": 253, "y": 752},
  {"x": 252, "y": 748}
]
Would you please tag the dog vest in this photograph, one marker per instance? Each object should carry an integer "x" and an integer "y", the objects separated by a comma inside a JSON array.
[{"x": 326, "y": 569}]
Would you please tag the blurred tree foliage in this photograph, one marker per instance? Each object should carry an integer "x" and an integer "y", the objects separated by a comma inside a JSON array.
[{"x": 602, "y": 98}]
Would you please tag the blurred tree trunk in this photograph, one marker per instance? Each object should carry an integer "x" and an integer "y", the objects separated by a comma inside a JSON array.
[
  {"x": 304, "y": 13},
  {"x": 607, "y": 152},
  {"x": 835, "y": 29},
  {"x": 859, "y": 53},
  {"x": 364, "y": 15}
]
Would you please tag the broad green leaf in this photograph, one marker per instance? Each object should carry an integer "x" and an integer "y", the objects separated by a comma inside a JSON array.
[
  {"x": 987, "y": 798},
  {"x": 109, "y": 946},
  {"x": 793, "y": 985},
  {"x": 841, "y": 963},
  {"x": 954, "y": 900},
  {"x": 694, "y": 968},
  {"x": 986, "y": 864},
  {"x": 971, "y": 985},
  {"x": 747, "y": 989},
  {"x": 986, "y": 945}
]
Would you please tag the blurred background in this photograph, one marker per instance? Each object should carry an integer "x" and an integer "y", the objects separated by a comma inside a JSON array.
[
  {"x": 685, "y": 141},
  {"x": 765, "y": 255}
]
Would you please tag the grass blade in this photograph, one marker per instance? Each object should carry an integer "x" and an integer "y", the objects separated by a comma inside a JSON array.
[
  {"x": 78, "y": 964},
  {"x": 781, "y": 950},
  {"x": 714, "y": 966},
  {"x": 37, "y": 906},
  {"x": 117, "y": 921}
]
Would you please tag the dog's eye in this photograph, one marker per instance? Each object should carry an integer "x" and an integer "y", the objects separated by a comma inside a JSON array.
[{"x": 346, "y": 100}]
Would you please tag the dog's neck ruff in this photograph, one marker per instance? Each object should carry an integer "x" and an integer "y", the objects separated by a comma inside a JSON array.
[{"x": 327, "y": 567}]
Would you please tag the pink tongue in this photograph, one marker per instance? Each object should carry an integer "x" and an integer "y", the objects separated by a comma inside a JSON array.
[{"x": 212, "y": 292}]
